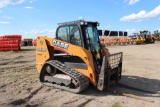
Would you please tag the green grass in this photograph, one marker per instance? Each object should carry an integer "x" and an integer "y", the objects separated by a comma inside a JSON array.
[
  {"x": 12, "y": 60},
  {"x": 22, "y": 73},
  {"x": 34, "y": 76},
  {"x": 92, "y": 96},
  {"x": 116, "y": 104},
  {"x": 52, "y": 88},
  {"x": 13, "y": 76}
]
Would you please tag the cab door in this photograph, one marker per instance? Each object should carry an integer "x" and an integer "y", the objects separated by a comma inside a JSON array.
[{"x": 70, "y": 34}]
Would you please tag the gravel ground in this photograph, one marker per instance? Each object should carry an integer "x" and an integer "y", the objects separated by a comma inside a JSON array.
[{"x": 20, "y": 87}]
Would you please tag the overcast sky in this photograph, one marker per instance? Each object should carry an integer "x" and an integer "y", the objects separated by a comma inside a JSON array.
[{"x": 32, "y": 18}]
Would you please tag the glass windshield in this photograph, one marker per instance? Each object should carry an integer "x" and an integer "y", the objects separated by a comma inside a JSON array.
[{"x": 92, "y": 40}]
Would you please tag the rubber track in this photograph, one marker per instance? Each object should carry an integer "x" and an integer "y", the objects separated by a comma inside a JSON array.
[{"x": 82, "y": 80}]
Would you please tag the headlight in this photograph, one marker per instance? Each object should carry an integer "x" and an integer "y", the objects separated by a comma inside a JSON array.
[
  {"x": 98, "y": 24},
  {"x": 82, "y": 23}
]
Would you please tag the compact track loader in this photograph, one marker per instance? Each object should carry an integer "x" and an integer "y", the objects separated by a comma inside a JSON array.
[{"x": 75, "y": 58}]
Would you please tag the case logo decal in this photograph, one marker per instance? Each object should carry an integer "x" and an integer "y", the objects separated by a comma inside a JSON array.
[{"x": 60, "y": 44}]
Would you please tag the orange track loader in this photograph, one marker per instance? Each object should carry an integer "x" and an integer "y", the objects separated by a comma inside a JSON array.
[{"x": 75, "y": 58}]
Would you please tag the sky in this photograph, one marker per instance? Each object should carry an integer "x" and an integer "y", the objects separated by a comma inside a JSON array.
[{"x": 32, "y": 18}]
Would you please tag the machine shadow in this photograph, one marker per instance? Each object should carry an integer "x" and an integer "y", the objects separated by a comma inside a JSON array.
[{"x": 152, "y": 85}]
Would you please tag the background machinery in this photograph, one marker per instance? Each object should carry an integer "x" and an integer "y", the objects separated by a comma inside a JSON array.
[
  {"x": 147, "y": 36},
  {"x": 140, "y": 39},
  {"x": 76, "y": 58},
  {"x": 115, "y": 37},
  {"x": 156, "y": 35}
]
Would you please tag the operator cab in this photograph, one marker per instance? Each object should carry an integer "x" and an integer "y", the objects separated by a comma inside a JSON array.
[
  {"x": 145, "y": 33},
  {"x": 147, "y": 36},
  {"x": 81, "y": 33}
]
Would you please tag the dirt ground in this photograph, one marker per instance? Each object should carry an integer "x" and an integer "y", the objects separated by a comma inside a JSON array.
[{"x": 20, "y": 87}]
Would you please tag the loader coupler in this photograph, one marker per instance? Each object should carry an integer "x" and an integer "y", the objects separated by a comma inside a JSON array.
[{"x": 110, "y": 71}]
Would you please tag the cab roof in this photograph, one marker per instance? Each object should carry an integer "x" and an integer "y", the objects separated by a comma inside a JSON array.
[{"x": 78, "y": 22}]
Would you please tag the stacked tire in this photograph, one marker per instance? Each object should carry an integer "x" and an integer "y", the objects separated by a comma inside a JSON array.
[{"x": 10, "y": 42}]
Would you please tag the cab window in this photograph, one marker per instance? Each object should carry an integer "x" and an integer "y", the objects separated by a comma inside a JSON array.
[
  {"x": 63, "y": 34},
  {"x": 70, "y": 34},
  {"x": 75, "y": 36}
]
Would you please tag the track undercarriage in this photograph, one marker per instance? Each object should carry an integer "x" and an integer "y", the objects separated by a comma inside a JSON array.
[{"x": 59, "y": 75}]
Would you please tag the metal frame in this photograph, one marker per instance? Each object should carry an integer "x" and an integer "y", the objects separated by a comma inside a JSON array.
[{"x": 111, "y": 66}]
